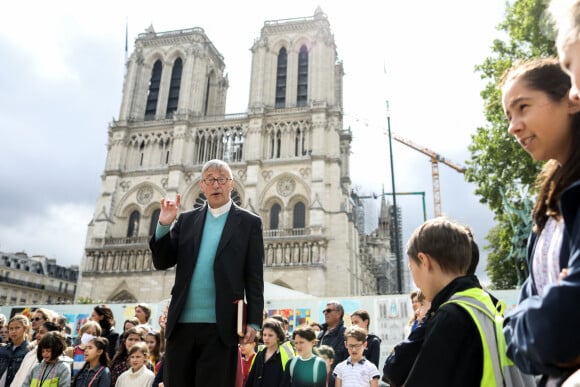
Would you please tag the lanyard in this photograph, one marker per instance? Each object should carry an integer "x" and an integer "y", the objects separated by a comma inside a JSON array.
[
  {"x": 96, "y": 374},
  {"x": 46, "y": 372}
]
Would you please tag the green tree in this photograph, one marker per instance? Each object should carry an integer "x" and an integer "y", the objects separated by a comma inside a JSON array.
[{"x": 498, "y": 164}]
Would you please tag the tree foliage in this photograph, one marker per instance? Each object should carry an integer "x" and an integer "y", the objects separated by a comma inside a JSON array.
[{"x": 498, "y": 165}]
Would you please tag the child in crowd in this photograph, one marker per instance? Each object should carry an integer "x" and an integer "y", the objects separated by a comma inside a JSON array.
[
  {"x": 52, "y": 371},
  {"x": 95, "y": 372},
  {"x": 120, "y": 363},
  {"x": 356, "y": 371},
  {"x": 546, "y": 122},
  {"x": 456, "y": 348},
  {"x": 88, "y": 331},
  {"x": 373, "y": 349},
  {"x": 268, "y": 366},
  {"x": 31, "y": 359},
  {"x": 248, "y": 351},
  {"x": 138, "y": 375},
  {"x": 153, "y": 341},
  {"x": 326, "y": 352},
  {"x": 11, "y": 355},
  {"x": 306, "y": 369}
]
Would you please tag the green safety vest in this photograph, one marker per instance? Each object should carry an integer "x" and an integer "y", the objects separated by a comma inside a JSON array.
[{"x": 498, "y": 369}]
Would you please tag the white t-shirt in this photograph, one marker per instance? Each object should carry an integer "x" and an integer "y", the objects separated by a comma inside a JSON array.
[{"x": 356, "y": 374}]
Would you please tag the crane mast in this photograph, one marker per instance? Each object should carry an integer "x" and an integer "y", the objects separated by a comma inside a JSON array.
[{"x": 435, "y": 160}]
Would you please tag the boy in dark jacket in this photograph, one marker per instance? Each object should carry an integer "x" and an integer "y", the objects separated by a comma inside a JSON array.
[{"x": 448, "y": 348}]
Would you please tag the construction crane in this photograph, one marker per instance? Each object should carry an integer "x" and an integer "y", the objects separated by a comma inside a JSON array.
[{"x": 435, "y": 160}]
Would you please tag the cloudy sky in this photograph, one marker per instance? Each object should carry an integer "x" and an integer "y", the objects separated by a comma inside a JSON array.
[{"x": 62, "y": 73}]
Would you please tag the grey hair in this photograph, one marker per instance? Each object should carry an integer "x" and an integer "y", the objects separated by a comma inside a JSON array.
[
  {"x": 216, "y": 164},
  {"x": 338, "y": 306}
]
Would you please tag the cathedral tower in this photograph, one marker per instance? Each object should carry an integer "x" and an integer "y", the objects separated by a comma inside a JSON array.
[{"x": 289, "y": 155}]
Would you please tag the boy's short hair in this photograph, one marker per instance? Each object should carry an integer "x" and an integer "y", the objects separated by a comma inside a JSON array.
[
  {"x": 139, "y": 347},
  {"x": 447, "y": 242},
  {"x": 356, "y": 332}
]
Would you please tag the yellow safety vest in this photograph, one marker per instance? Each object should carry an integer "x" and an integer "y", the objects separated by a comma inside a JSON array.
[
  {"x": 498, "y": 369},
  {"x": 286, "y": 353}
]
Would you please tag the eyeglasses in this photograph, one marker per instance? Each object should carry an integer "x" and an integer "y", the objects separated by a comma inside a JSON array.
[
  {"x": 328, "y": 310},
  {"x": 354, "y": 346},
  {"x": 220, "y": 180},
  {"x": 36, "y": 319}
]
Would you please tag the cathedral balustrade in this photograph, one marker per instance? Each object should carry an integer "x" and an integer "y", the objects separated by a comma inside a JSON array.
[
  {"x": 297, "y": 253},
  {"x": 118, "y": 261},
  {"x": 120, "y": 241},
  {"x": 287, "y": 232}
]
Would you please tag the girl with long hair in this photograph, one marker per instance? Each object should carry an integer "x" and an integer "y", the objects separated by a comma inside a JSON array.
[{"x": 541, "y": 332}]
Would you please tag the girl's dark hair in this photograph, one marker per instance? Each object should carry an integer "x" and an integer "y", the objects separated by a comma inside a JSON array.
[
  {"x": 146, "y": 308},
  {"x": 364, "y": 315},
  {"x": 546, "y": 75},
  {"x": 276, "y": 326},
  {"x": 132, "y": 320},
  {"x": 156, "y": 353},
  {"x": 103, "y": 344},
  {"x": 307, "y": 333},
  {"x": 55, "y": 342},
  {"x": 109, "y": 320},
  {"x": 122, "y": 352},
  {"x": 50, "y": 326}
]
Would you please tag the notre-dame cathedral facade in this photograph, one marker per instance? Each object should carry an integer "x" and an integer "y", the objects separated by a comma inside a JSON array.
[{"x": 289, "y": 154}]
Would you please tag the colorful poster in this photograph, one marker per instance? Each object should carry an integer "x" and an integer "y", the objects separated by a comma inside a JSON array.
[
  {"x": 302, "y": 316},
  {"x": 81, "y": 319}
]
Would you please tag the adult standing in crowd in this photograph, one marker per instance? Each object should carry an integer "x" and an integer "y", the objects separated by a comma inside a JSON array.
[
  {"x": 39, "y": 317},
  {"x": 332, "y": 333},
  {"x": 104, "y": 316},
  {"x": 218, "y": 253}
]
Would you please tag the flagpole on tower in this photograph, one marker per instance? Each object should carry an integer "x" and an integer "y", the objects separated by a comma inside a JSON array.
[{"x": 126, "y": 38}]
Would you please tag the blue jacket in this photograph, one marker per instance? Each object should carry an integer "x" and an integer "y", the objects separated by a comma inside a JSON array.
[
  {"x": 11, "y": 358},
  {"x": 542, "y": 332}
]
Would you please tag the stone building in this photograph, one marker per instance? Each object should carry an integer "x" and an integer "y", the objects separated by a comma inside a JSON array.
[
  {"x": 35, "y": 280},
  {"x": 289, "y": 154}
]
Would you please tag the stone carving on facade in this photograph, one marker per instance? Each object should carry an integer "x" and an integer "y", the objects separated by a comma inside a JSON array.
[
  {"x": 267, "y": 174},
  {"x": 304, "y": 172},
  {"x": 188, "y": 177},
  {"x": 164, "y": 182},
  {"x": 125, "y": 184},
  {"x": 144, "y": 194},
  {"x": 242, "y": 174},
  {"x": 286, "y": 186}
]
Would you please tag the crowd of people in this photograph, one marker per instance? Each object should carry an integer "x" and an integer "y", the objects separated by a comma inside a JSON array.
[
  {"x": 458, "y": 335},
  {"x": 39, "y": 350}
]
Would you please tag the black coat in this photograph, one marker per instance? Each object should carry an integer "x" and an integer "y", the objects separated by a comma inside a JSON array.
[
  {"x": 542, "y": 331},
  {"x": 238, "y": 266},
  {"x": 266, "y": 374},
  {"x": 445, "y": 350}
]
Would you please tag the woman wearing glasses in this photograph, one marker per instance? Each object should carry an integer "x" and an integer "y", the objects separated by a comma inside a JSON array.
[{"x": 39, "y": 317}]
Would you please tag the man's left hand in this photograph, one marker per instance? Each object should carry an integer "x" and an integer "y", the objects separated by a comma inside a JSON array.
[{"x": 250, "y": 335}]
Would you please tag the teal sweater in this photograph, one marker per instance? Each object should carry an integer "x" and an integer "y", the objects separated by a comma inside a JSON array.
[{"x": 200, "y": 303}]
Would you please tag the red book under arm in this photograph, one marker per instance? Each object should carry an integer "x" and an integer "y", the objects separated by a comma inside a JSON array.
[{"x": 241, "y": 317}]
